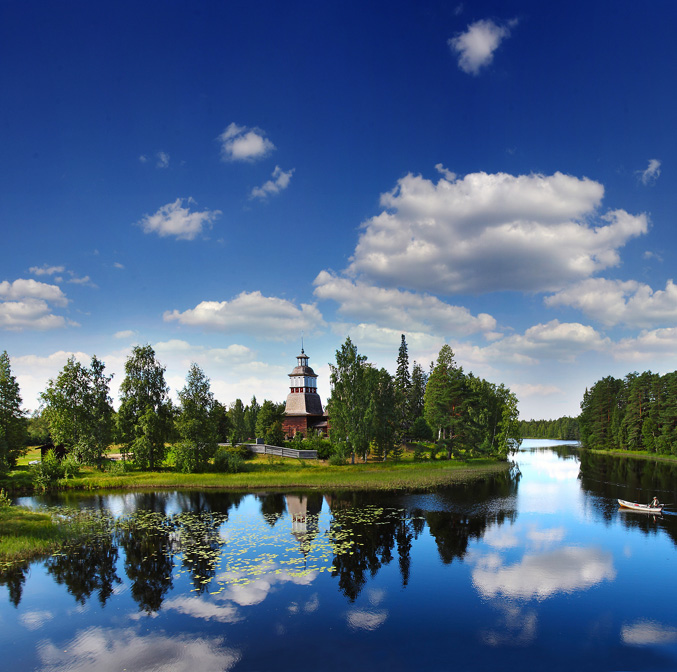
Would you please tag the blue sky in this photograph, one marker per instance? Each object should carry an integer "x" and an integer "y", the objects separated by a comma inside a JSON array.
[{"x": 217, "y": 179}]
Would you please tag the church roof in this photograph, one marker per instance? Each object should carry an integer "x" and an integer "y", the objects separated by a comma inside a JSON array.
[{"x": 303, "y": 403}]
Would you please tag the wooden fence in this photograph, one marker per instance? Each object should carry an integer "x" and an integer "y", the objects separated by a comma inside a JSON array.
[{"x": 265, "y": 449}]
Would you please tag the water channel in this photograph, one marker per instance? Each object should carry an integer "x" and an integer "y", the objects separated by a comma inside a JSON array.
[{"x": 536, "y": 569}]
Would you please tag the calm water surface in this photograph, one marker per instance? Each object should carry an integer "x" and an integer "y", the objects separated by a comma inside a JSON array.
[{"x": 537, "y": 569}]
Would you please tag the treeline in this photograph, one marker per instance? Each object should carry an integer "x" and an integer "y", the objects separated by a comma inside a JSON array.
[
  {"x": 372, "y": 411},
  {"x": 564, "y": 429},
  {"x": 77, "y": 412},
  {"x": 638, "y": 412}
]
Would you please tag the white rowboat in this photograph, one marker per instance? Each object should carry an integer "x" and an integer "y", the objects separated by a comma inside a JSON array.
[{"x": 644, "y": 508}]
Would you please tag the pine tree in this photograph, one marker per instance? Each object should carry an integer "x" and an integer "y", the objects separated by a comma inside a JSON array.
[
  {"x": 13, "y": 432},
  {"x": 416, "y": 399}
]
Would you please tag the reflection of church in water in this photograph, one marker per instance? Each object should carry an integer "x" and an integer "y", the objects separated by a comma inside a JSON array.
[
  {"x": 304, "y": 511},
  {"x": 303, "y": 411}
]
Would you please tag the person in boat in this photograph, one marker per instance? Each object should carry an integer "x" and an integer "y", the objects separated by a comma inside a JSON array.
[{"x": 654, "y": 502}]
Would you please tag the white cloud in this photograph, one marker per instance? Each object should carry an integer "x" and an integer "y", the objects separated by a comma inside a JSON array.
[
  {"x": 375, "y": 338},
  {"x": 266, "y": 317},
  {"x": 30, "y": 314},
  {"x": 239, "y": 143},
  {"x": 127, "y": 333},
  {"x": 175, "y": 220},
  {"x": 162, "y": 160},
  {"x": 535, "y": 390},
  {"x": 280, "y": 181},
  {"x": 86, "y": 280},
  {"x": 395, "y": 309},
  {"x": 32, "y": 289},
  {"x": 489, "y": 232},
  {"x": 46, "y": 270},
  {"x": 118, "y": 265},
  {"x": 656, "y": 343},
  {"x": 651, "y": 173},
  {"x": 476, "y": 46},
  {"x": 554, "y": 340},
  {"x": 617, "y": 302}
]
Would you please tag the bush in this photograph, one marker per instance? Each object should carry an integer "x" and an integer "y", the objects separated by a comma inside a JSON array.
[
  {"x": 5, "y": 500},
  {"x": 70, "y": 466},
  {"x": 185, "y": 457},
  {"x": 48, "y": 472},
  {"x": 337, "y": 460},
  {"x": 229, "y": 460}
]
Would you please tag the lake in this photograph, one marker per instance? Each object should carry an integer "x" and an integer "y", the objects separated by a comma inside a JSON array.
[{"x": 534, "y": 569}]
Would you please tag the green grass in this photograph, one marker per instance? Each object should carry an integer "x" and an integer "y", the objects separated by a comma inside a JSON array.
[
  {"x": 25, "y": 534},
  {"x": 287, "y": 473}
]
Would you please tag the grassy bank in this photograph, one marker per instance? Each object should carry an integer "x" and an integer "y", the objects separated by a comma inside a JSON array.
[
  {"x": 281, "y": 473},
  {"x": 636, "y": 454},
  {"x": 26, "y": 534}
]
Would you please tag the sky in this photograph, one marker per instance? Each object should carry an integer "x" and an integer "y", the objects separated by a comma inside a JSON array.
[{"x": 227, "y": 181}]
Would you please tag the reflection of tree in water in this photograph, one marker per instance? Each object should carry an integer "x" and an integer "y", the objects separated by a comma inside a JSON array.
[
  {"x": 14, "y": 577},
  {"x": 200, "y": 543},
  {"x": 364, "y": 539},
  {"x": 273, "y": 507},
  {"x": 148, "y": 542},
  {"x": 86, "y": 568}
]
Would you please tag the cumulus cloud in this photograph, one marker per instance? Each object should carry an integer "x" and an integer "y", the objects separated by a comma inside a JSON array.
[
  {"x": 175, "y": 220},
  {"x": 279, "y": 182},
  {"x": 476, "y": 46},
  {"x": 395, "y": 309},
  {"x": 30, "y": 314},
  {"x": 651, "y": 173},
  {"x": 615, "y": 302},
  {"x": 554, "y": 340},
  {"x": 263, "y": 316},
  {"x": 24, "y": 304},
  {"x": 491, "y": 232},
  {"x": 658, "y": 343},
  {"x": 32, "y": 289},
  {"x": 239, "y": 143}
]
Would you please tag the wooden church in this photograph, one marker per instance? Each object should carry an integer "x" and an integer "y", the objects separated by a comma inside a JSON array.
[{"x": 303, "y": 411}]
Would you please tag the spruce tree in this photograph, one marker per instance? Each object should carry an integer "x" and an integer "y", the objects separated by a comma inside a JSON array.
[{"x": 403, "y": 390}]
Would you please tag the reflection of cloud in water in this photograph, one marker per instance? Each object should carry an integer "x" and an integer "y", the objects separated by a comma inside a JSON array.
[
  {"x": 33, "y": 620},
  {"x": 644, "y": 633},
  {"x": 541, "y": 576},
  {"x": 517, "y": 627},
  {"x": 366, "y": 619},
  {"x": 200, "y": 608},
  {"x": 544, "y": 538},
  {"x": 255, "y": 591},
  {"x": 376, "y": 596},
  {"x": 104, "y": 649},
  {"x": 500, "y": 537},
  {"x": 312, "y": 605},
  {"x": 549, "y": 464}
]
